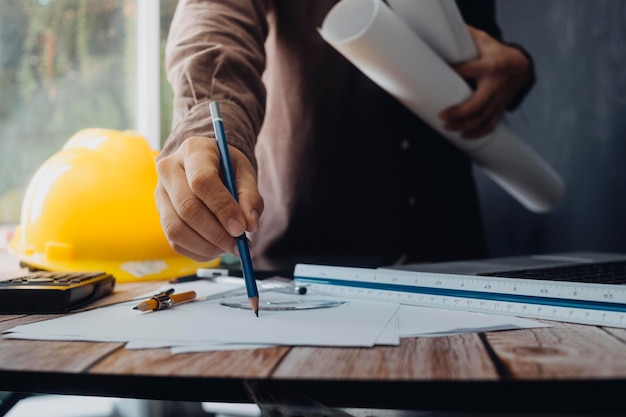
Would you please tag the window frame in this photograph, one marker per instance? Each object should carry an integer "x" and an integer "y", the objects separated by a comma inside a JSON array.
[{"x": 148, "y": 67}]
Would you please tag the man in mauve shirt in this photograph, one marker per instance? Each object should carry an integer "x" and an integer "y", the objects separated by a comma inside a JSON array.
[{"x": 329, "y": 167}]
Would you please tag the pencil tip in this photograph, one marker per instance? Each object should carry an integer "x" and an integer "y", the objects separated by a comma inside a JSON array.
[
  {"x": 135, "y": 308},
  {"x": 254, "y": 302}
]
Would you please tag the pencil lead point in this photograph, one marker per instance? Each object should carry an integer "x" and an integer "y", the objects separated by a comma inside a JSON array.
[{"x": 254, "y": 303}]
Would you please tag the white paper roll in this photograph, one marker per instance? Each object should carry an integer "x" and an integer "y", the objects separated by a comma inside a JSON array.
[
  {"x": 386, "y": 49},
  {"x": 438, "y": 23}
]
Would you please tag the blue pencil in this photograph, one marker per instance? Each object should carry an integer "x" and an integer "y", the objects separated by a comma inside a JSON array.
[{"x": 242, "y": 241}]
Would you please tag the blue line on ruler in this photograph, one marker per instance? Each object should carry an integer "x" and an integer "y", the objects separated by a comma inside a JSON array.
[{"x": 560, "y": 302}]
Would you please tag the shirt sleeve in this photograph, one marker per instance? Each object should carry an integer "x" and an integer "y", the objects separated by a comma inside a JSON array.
[{"x": 215, "y": 51}]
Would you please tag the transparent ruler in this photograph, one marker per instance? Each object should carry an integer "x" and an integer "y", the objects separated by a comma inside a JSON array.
[{"x": 597, "y": 304}]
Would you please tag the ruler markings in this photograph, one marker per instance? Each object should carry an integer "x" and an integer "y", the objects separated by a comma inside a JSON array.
[{"x": 556, "y": 300}]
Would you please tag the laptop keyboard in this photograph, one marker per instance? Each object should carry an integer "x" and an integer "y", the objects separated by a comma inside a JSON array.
[{"x": 597, "y": 273}]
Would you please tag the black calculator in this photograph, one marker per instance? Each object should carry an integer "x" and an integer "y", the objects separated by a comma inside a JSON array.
[{"x": 53, "y": 292}]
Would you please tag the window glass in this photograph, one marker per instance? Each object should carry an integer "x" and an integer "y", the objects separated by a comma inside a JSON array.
[
  {"x": 167, "y": 12},
  {"x": 65, "y": 65}
]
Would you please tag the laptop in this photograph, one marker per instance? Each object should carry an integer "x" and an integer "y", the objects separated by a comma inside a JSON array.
[{"x": 588, "y": 267}]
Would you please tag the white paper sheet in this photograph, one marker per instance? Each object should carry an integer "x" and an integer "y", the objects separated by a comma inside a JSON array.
[
  {"x": 370, "y": 35},
  {"x": 208, "y": 326},
  {"x": 215, "y": 347},
  {"x": 424, "y": 321},
  {"x": 357, "y": 323}
]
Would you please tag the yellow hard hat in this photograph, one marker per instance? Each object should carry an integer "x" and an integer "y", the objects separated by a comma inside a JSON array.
[{"x": 91, "y": 207}]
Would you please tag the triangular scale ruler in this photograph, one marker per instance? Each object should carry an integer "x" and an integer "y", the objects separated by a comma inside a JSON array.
[{"x": 598, "y": 304}]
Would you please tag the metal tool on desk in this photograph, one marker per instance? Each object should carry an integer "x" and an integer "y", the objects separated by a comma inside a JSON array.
[
  {"x": 277, "y": 284},
  {"x": 274, "y": 285},
  {"x": 164, "y": 300}
]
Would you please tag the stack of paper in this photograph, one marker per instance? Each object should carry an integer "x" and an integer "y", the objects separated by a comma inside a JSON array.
[{"x": 209, "y": 325}]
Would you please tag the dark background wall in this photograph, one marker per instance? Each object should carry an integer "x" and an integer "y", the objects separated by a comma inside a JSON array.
[{"x": 576, "y": 118}]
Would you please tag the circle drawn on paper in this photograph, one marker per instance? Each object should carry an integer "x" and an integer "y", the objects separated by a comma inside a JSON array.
[{"x": 285, "y": 305}]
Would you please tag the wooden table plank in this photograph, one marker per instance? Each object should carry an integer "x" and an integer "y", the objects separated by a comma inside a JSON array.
[
  {"x": 37, "y": 356},
  {"x": 457, "y": 357},
  {"x": 42, "y": 356},
  {"x": 565, "y": 350},
  {"x": 257, "y": 363}
]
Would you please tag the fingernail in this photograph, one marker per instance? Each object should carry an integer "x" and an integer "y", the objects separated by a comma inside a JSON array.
[{"x": 235, "y": 228}]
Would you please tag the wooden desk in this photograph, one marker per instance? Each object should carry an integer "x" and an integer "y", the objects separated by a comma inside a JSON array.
[{"x": 566, "y": 368}]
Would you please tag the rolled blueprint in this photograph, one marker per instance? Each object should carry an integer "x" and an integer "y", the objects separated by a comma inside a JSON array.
[
  {"x": 438, "y": 23},
  {"x": 381, "y": 45}
]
